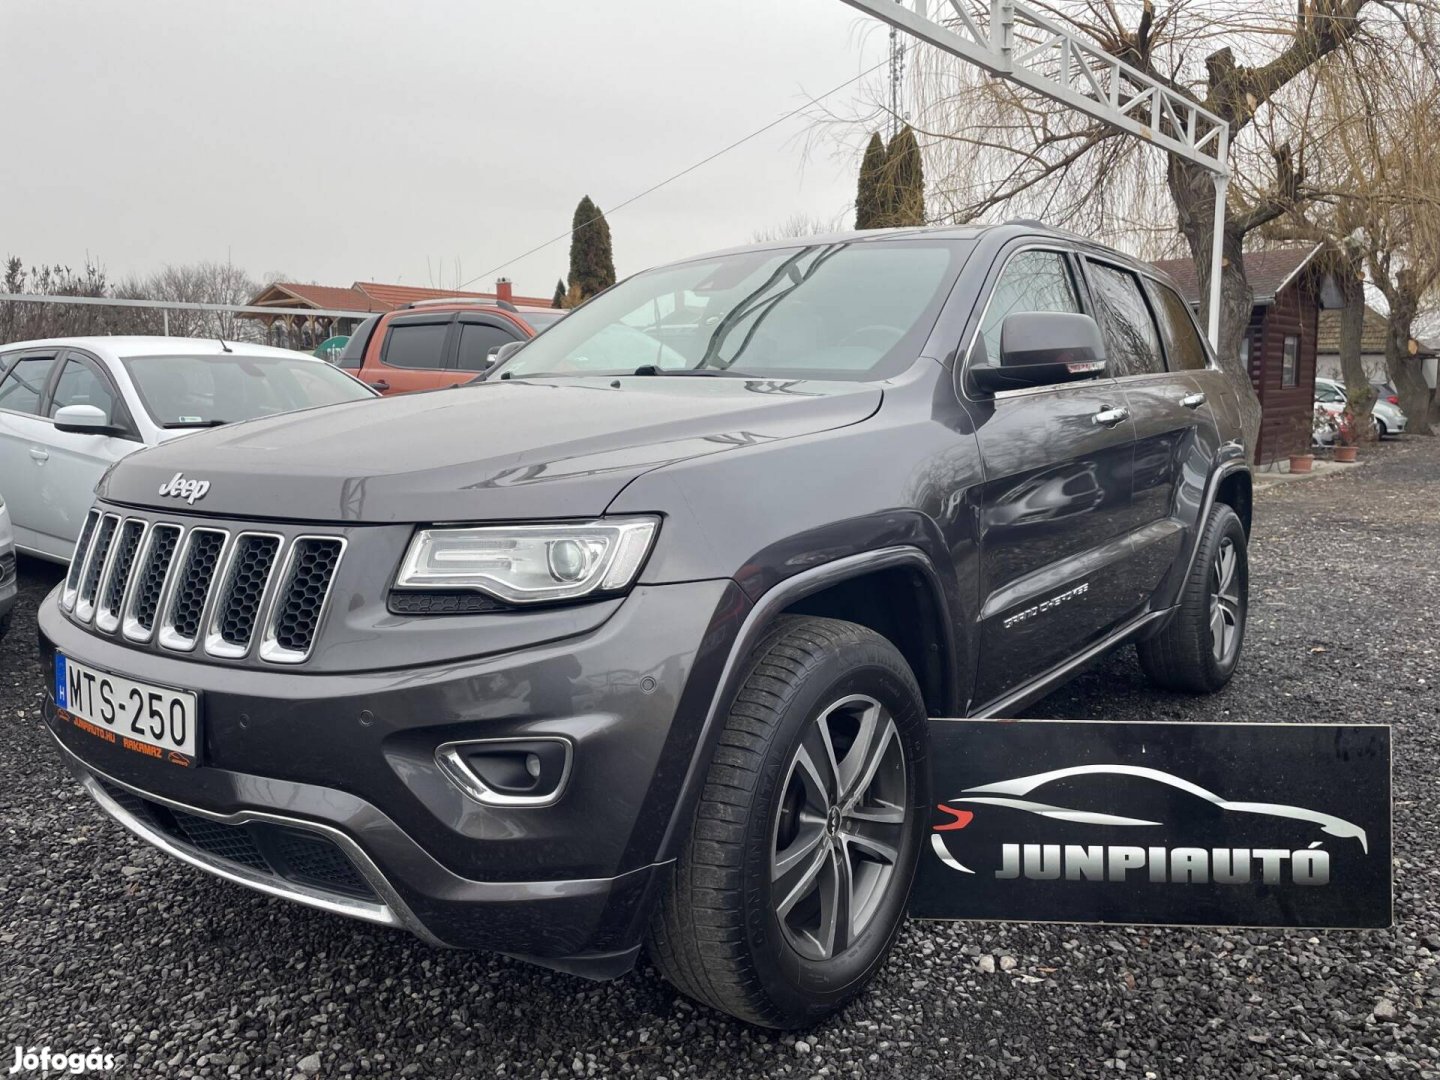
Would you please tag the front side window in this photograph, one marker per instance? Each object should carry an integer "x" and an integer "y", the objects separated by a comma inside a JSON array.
[
  {"x": 1031, "y": 281},
  {"x": 25, "y": 384},
  {"x": 416, "y": 345},
  {"x": 80, "y": 384},
  {"x": 1132, "y": 346},
  {"x": 476, "y": 341},
  {"x": 1290, "y": 361},
  {"x": 204, "y": 391},
  {"x": 856, "y": 310},
  {"x": 1183, "y": 344},
  {"x": 1328, "y": 394}
]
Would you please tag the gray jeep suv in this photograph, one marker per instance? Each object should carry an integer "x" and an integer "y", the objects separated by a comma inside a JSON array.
[{"x": 632, "y": 643}]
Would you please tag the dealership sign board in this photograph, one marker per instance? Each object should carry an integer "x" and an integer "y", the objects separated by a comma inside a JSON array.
[{"x": 1158, "y": 823}]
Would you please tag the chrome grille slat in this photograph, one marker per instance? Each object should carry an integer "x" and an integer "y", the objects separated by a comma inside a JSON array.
[
  {"x": 156, "y": 563},
  {"x": 305, "y": 580},
  {"x": 117, "y": 577},
  {"x": 235, "y": 593},
  {"x": 245, "y": 589},
  {"x": 77, "y": 561},
  {"x": 189, "y": 596},
  {"x": 96, "y": 560}
]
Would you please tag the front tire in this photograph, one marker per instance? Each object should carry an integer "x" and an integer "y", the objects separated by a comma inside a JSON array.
[
  {"x": 1199, "y": 647},
  {"x": 794, "y": 882}
]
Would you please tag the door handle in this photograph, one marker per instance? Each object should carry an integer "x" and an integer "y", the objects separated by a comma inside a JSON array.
[
  {"x": 1193, "y": 401},
  {"x": 1111, "y": 417},
  {"x": 39, "y": 455},
  {"x": 380, "y": 385}
]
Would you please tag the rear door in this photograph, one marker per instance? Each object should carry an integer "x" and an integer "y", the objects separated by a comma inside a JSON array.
[
  {"x": 1154, "y": 351},
  {"x": 412, "y": 354},
  {"x": 24, "y": 450},
  {"x": 1055, "y": 504}
]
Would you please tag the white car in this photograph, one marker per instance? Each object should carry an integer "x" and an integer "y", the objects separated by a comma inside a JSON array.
[
  {"x": 9, "y": 587},
  {"x": 72, "y": 407},
  {"x": 1330, "y": 396}
]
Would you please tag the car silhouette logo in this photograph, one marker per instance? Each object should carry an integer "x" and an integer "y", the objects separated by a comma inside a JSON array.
[{"x": 1023, "y": 793}]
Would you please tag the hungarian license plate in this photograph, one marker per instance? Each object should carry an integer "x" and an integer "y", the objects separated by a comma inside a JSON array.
[{"x": 157, "y": 721}]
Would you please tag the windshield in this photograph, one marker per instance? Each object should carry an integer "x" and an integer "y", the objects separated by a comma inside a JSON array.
[
  {"x": 201, "y": 391},
  {"x": 832, "y": 311}
]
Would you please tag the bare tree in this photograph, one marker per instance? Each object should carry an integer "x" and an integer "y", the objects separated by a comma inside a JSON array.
[
  {"x": 204, "y": 283},
  {"x": 1375, "y": 202},
  {"x": 796, "y": 225}
]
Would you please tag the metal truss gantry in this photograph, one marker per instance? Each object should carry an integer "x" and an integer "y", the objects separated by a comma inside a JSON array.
[{"x": 1015, "y": 42}]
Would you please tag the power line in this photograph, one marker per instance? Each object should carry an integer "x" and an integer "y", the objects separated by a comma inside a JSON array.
[{"x": 683, "y": 172}]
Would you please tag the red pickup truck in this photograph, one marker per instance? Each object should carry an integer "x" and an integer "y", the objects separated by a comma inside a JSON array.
[{"x": 436, "y": 343}]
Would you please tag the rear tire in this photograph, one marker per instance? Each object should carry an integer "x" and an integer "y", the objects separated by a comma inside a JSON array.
[
  {"x": 796, "y": 876},
  {"x": 1380, "y": 429},
  {"x": 1199, "y": 647}
]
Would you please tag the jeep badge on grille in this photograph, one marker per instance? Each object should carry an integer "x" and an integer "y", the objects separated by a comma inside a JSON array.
[{"x": 179, "y": 488}]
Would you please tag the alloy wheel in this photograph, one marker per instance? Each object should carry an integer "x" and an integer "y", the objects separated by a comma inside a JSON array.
[
  {"x": 1225, "y": 604},
  {"x": 840, "y": 826}
]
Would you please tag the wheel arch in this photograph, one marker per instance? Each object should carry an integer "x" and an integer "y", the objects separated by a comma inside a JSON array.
[
  {"x": 821, "y": 590},
  {"x": 1235, "y": 489}
]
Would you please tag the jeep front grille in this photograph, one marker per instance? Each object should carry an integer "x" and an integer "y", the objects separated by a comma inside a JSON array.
[{"x": 205, "y": 586}]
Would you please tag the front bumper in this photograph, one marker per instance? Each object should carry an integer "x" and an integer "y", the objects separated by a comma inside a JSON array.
[{"x": 298, "y": 762}]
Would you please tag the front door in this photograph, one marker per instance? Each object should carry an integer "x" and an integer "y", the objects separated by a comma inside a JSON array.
[
  {"x": 24, "y": 454},
  {"x": 78, "y": 460},
  {"x": 1056, "y": 501}
]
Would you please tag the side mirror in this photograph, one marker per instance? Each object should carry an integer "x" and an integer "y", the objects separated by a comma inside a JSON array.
[
  {"x": 1041, "y": 348},
  {"x": 84, "y": 420},
  {"x": 500, "y": 353}
]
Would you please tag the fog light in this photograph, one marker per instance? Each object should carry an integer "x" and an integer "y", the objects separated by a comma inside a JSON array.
[{"x": 508, "y": 772}]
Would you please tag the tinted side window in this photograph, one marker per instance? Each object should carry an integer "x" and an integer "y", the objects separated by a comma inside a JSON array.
[
  {"x": 354, "y": 351},
  {"x": 1183, "y": 344},
  {"x": 1031, "y": 281},
  {"x": 416, "y": 345},
  {"x": 80, "y": 384},
  {"x": 476, "y": 341},
  {"x": 1132, "y": 347},
  {"x": 24, "y": 384}
]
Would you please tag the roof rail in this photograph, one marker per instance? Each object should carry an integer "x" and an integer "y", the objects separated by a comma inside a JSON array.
[{"x": 504, "y": 305}]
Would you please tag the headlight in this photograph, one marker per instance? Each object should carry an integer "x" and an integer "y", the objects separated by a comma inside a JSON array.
[{"x": 530, "y": 563}]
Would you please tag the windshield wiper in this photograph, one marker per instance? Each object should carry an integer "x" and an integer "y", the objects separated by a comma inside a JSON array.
[
  {"x": 718, "y": 373},
  {"x": 195, "y": 423}
]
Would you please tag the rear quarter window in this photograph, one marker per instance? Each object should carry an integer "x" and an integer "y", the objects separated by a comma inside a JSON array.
[{"x": 1183, "y": 344}]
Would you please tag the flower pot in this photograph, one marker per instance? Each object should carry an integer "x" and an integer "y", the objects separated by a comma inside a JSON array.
[
  {"x": 1301, "y": 462},
  {"x": 1346, "y": 453}
]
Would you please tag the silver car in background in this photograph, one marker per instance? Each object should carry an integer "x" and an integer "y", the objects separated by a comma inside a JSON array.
[
  {"x": 1330, "y": 396},
  {"x": 72, "y": 407}
]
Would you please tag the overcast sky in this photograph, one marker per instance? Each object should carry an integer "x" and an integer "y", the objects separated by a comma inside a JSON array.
[{"x": 343, "y": 140}]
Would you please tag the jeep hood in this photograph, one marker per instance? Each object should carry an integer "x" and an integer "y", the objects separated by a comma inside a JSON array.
[{"x": 502, "y": 450}]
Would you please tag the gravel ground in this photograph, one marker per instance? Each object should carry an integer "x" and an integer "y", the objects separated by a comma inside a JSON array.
[{"x": 108, "y": 945}]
